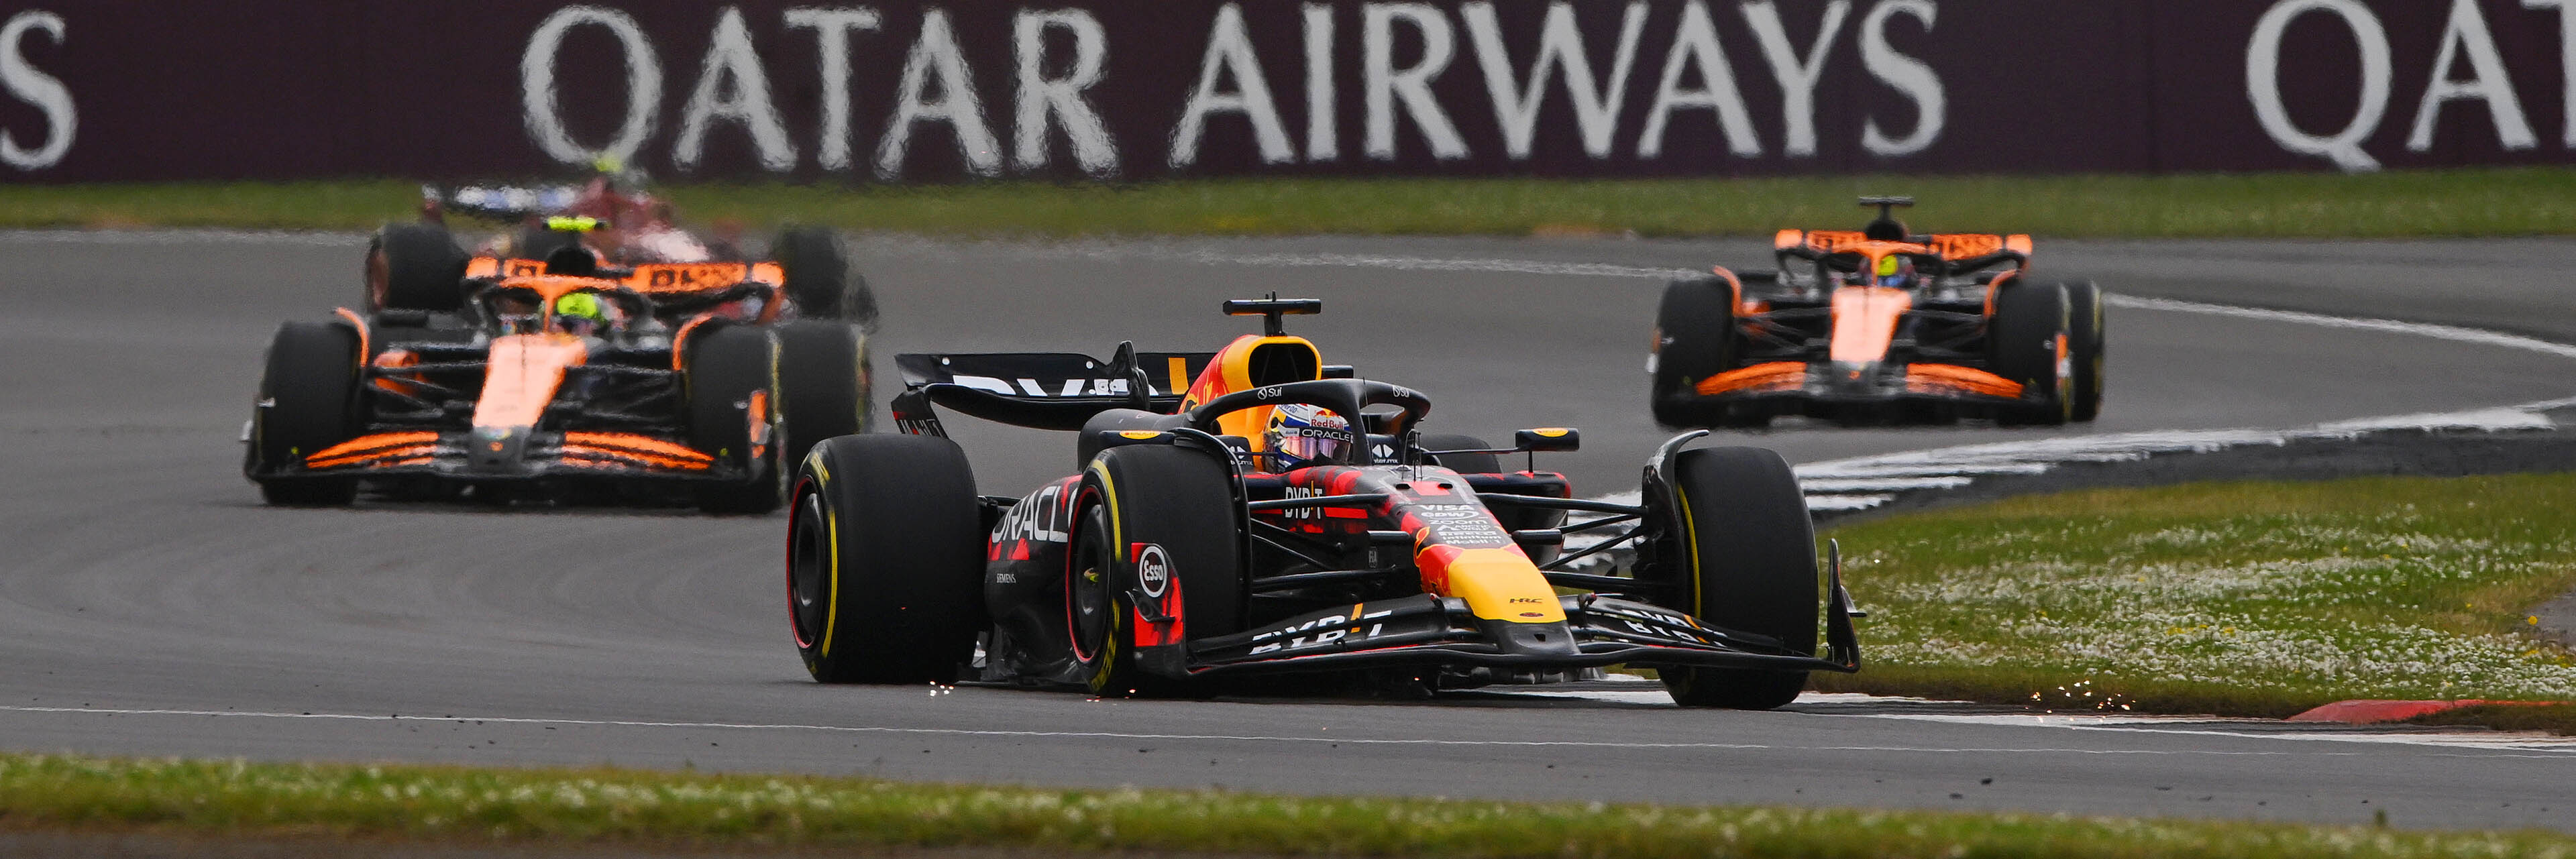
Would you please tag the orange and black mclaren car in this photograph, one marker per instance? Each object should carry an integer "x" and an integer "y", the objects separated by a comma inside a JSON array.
[
  {"x": 1255, "y": 512},
  {"x": 1879, "y": 325},
  {"x": 559, "y": 379}
]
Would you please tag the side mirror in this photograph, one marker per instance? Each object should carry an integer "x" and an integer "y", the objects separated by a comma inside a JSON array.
[{"x": 1548, "y": 439}]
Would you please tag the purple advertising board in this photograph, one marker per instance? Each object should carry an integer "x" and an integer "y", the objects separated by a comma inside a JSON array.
[{"x": 1132, "y": 90}]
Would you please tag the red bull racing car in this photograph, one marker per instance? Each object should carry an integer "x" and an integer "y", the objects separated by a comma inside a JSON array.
[
  {"x": 559, "y": 378},
  {"x": 1876, "y": 326},
  {"x": 1254, "y": 511}
]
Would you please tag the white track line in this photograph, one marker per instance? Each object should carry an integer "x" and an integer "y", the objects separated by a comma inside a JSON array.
[
  {"x": 1124, "y": 736},
  {"x": 2422, "y": 329},
  {"x": 2461, "y": 750}
]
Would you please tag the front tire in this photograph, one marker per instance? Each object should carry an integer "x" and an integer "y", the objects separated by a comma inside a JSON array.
[
  {"x": 1744, "y": 550},
  {"x": 1138, "y": 504},
  {"x": 2027, "y": 342},
  {"x": 309, "y": 400},
  {"x": 732, "y": 394},
  {"x": 1694, "y": 339},
  {"x": 885, "y": 560},
  {"x": 2084, "y": 348}
]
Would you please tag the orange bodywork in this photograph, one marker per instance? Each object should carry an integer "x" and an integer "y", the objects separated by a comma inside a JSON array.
[
  {"x": 524, "y": 370},
  {"x": 1945, "y": 245},
  {"x": 1865, "y": 320},
  {"x": 375, "y": 449},
  {"x": 648, "y": 278},
  {"x": 629, "y": 449},
  {"x": 1954, "y": 379},
  {"x": 390, "y": 363},
  {"x": 1769, "y": 376}
]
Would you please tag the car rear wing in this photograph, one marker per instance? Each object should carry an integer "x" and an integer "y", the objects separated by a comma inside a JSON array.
[
  {"x": 1040, "y": 390},
  {"x": 1961, "y": 253}
]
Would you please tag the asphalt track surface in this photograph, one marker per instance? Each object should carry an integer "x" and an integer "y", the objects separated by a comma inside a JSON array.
[{"x": 149, "y": 605}]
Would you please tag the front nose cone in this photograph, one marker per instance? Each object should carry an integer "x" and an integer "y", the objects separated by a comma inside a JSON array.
[{"x": 1852, "y": 377}]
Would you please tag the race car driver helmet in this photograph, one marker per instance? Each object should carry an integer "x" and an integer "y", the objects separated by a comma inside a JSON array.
[
  {"x": 1895, "y": 270},
  {"x": 1302, "y": 434},
  {"x": 580, "y": 314}
]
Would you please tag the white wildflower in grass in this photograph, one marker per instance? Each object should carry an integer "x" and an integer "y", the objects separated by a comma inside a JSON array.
[{"x": 2303, "y": 591}]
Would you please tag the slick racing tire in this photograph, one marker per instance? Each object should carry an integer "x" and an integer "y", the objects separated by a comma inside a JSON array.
[
  {"x": 885, "y": 560},
  {"x": 731, "y": 389},
  {"x": 537, "y": 243},
  {"x": 309, "y": 400},
  {"x": 822, "y": 383},
  {"x": 1745, "y": 553},
  {"x": 1463, "y": 463},
  {"x": 821, "y": 279},
  {"x": 1154, "y": 519},
  {"x": 2084, "y": 348},
  {"x": 2027, "y": 342},
  {"x": 414, "y": 267},
  {"x": 1694, "y": 339}
]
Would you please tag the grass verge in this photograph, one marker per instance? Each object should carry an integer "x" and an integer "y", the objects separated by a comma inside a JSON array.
[
  {"x": 2252, "y": 599},
  {"x": 246, "y": 800},
  {"x": 2459, "y": 202},
  {"x": 2553, "y": 718}
]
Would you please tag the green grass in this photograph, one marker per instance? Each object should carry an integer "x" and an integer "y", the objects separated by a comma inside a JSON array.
[
  {"x": 2462, "y": 202},
  {"x": 233, "y": 799},
  {"x": 2254, "y": 599}
]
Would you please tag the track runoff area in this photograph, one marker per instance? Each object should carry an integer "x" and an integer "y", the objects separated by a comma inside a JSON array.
[{"x": 153, "y": 607}]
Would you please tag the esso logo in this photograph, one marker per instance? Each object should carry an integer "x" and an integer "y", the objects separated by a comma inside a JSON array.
[{"x": 1153, "y": 569}]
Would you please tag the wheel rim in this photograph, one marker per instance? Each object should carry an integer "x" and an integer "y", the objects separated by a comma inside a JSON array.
[
  {"x": 1086, "y": 591},
  {"x": 808, "y": 571}
]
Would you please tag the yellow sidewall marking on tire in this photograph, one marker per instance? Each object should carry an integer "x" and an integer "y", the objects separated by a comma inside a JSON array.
[
  {"x": 1117, "y": 544},
  {"x": 1690, "y": 537},
  {"x": 832, "y": 595}
]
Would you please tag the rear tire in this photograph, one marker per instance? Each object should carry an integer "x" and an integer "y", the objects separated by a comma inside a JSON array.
[
  {"x": 311, "y": 388},
  {"x": 1694, "y": 339},
  {"x": 822, "y": 383},
  {"x": 414, "y": 267},
  {"x": 2026, "y": 342},
  {"x": 1745, "y": 551},
  {"x": 885, "y": 560},
  {"x": 1137, "y": 499},
  {"x": 820, "y": 278},
  {"x": 732, "y": 393},
  {"x": 2084, "y": 348}
]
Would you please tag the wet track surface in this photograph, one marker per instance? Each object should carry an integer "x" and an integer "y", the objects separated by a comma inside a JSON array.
[{"x": 141, "y": 574}]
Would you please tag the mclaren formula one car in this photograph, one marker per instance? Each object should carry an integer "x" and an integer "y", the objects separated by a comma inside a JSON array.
[
  {"x": 419, "y": 266},
  {"x": 562, "y": 379},
  {"x": 1877, "y": 326},
  {"x": 1254, "y": 511}
]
